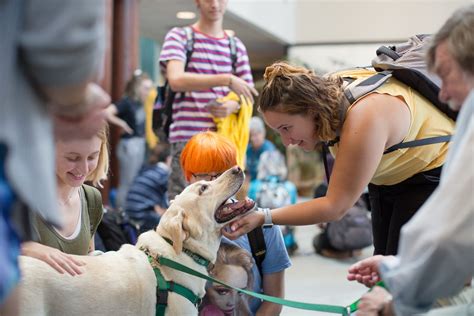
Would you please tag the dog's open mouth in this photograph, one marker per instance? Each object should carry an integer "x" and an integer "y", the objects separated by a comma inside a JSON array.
[{"x": 233, "y": 208}]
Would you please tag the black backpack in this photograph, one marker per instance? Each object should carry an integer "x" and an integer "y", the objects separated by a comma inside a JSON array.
[
  {"x": 116, "y": 229},
  {"x": 163, "y": 109},
  {"x": 407, "y": 63}
]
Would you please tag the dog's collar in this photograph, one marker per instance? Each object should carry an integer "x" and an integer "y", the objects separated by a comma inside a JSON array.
[{"x": 197, "y": 258}]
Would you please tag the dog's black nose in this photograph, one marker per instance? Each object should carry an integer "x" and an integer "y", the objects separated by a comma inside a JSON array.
[{"x": 236, "y": 170}]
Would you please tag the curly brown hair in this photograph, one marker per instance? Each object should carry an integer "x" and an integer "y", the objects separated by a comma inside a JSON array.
[{"x": 297, "y": 90}]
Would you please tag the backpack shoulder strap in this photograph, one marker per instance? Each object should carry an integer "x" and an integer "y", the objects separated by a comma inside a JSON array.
[
  {"x": 189, "y": 44},
  {"x": 168, "y": 96},
  {"x": 94, "y": 206},
  {"x": 355, "y": 90},
  {"x": 419, "y": 142},
  {"x": 233, "y": 52},
  {"x": 258, "y": 247}
]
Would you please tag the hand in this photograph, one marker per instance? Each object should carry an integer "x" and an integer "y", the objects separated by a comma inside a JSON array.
[
  {"x": 83, "y": 120},
  {"x": 57, "y": 259},
  {"x": 366, "y": 271},
  {"x": 376, "y": 301},
  {"x": 242, "y": 88},
  {"x": 243, "y": 225},
  {"x": 125, "y": 127},
  {"x": 222, "y": 109}
]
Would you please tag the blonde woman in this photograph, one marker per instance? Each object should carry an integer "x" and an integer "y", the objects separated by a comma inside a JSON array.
[{"x": 80, "y": 205}]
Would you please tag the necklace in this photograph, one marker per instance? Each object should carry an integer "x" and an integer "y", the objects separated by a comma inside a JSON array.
[{"x": 69, "y": 197}]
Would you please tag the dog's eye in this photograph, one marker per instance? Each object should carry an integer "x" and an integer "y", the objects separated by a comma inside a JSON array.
[{"x": 202, "y": 188}]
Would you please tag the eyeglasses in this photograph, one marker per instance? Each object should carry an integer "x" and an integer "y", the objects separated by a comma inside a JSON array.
[{"x": 206, "y": 176}]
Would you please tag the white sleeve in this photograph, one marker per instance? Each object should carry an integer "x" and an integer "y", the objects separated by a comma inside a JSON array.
[{"x": 436, "y": 251}]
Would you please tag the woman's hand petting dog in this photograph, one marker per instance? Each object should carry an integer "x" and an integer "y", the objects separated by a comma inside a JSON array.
[{"x": 57, "y": 259}]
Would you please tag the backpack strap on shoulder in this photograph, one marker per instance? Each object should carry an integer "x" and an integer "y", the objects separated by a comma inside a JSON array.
[
  {"x": 355, "y": 90},
  {"x": 419, "y": 142},
  {"x": 258, "y": 247},
  {"x": 94, "y": 206},
  {"x": 233, "y": 52},
  {"x": 166, "y": 96},
  {"x": 189, "y": 44}
]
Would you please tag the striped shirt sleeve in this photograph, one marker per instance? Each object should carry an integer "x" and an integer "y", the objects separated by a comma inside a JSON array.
[{"x": 174, "y": 47}]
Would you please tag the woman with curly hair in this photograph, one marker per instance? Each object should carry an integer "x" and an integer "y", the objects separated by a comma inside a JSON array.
[{"x": 307, "y": 109}]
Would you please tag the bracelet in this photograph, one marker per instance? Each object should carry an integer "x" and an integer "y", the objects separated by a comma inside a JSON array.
[
  {"x": 268, "y": 222},
  {"x": 230, "y": 81}
]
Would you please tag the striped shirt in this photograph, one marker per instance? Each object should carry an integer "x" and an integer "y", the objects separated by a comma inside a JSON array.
[
  {"x": 210, "y": 56},
  {"x": 148, "y": 189}
]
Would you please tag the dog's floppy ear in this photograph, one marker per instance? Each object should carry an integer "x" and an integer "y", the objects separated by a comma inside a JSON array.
[
  {"x": 192, "y": 227},
  {"x": 175, "y": 227}
]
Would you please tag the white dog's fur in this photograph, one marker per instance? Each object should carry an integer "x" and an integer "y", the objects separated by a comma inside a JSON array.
[{"x": 123, "y": 282}]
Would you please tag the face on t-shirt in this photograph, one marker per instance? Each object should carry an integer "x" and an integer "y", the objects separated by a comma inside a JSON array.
[{"x": 224, "y": 298}]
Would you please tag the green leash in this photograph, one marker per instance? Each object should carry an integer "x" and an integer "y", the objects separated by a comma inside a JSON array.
[{"x": 341, "y": 310}]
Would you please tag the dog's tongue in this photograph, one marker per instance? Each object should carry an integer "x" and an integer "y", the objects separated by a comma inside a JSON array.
[{"x": 233, "y": 208}]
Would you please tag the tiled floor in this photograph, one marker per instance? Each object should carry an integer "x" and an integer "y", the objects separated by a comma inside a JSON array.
[{"x": 319, "y": 280}]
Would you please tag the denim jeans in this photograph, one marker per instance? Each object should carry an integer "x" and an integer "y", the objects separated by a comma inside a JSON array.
[{"x": 9, "y": 240}]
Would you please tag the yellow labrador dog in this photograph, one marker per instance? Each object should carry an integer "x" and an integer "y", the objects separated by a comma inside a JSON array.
[{"x": 123, "y": 282}]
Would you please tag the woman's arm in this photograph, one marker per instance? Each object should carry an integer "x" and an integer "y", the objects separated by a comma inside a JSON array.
[
  {"x": 273, "y": 284},
  {"x": 60, "y": 261},
  {"x": 112, "y": 118},
  {"x": 376, "y": 123}
]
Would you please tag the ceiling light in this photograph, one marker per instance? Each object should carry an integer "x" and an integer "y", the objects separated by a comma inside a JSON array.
[{"x": 185, "y": 15}]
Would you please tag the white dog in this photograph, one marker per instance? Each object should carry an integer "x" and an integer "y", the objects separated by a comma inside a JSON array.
[{"x": 123, "y": 282}]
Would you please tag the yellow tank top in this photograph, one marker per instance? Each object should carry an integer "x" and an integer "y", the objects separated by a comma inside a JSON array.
[{"x": 426, "y": 121}]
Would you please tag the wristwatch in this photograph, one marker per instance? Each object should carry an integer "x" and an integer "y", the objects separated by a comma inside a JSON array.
[{"x": 268, "y": 223}]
